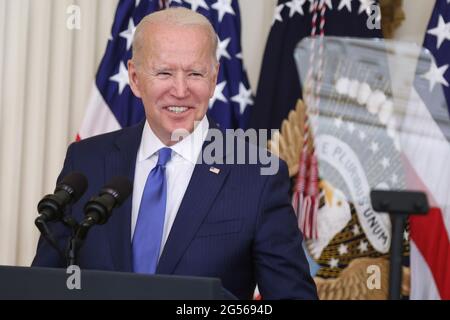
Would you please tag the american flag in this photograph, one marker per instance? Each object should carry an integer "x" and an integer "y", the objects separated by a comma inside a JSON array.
[
  {"x": 293, "y": 21},
  {"x": 112, "y": 105},
  {"x": 430, "y": 247}
]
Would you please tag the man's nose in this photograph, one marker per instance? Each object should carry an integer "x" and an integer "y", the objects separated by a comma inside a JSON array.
[{"x": 180, "y": 87}]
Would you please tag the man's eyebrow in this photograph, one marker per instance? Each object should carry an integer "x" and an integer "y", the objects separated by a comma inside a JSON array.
[
  {"x": 198, "y": 70},
  {"x": 202, "y": 69},
  {"x": 163, "y": 67},
  {"x": 156, "y": 69}
]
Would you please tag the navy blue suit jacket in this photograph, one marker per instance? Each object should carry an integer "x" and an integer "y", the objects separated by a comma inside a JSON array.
[{"x": 237, "y": 225}]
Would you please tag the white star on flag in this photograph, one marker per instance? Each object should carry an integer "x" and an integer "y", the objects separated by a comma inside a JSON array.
[
  {"x": 329, "y": 4},
  {"x": 436, "y": 75},
  {"x": 244, "y": 98},
  {"x": 137, "y": 3},
  {"x": 374, "y": 147},
  {"x": 345, "y": 3},
  {"x": 343, "y": 249},
  {"x": 121, "y": 77},
  {"x": 239, "y": 55},
  {"x": 385, "y": 162},
  {"x": 222, "y": 49},
  {"x": 223, "y": 6},
  {"x": 277, "y": 14},
  {"x": 218, "y": 94},
  {"x": 197, "y": 3},
  {"x": 295, "y": 6},
  {"x": 129, "y": 33},
  {"x": 333, "y": 263},
  {"x": 365, "y": 5},
  {"x": 363, "y": 246},
  {"x": 441, "y": 32}
]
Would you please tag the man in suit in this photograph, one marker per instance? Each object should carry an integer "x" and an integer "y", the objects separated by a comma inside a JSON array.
[{"x": 224, "y": 219}]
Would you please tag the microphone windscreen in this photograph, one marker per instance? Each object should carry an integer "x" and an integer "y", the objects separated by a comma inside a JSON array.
[
  {"x": 119, "y": 187},
  {"x": 74, "y": 183}
]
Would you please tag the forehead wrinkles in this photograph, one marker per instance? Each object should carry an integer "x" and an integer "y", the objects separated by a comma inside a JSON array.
[{"x": 160, "y": 40}]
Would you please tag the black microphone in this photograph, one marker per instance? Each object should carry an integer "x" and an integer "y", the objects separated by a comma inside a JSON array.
[
  {"x": 98, "y": 210},
  {"x": 68, "y": 191},
  {"x": 112, "y": 195}
]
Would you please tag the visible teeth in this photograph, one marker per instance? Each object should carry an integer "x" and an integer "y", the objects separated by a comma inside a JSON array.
[{"x": 177, "y": 109}]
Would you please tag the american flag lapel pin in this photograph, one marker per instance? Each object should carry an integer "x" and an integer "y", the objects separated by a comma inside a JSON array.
[{"x": 214, "y": 170}]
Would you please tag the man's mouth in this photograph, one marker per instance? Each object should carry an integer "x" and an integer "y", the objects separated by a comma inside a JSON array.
[{"x": 177, "y": 109}]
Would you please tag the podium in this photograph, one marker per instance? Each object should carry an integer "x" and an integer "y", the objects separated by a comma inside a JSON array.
[{"x": 47, "y": 283}]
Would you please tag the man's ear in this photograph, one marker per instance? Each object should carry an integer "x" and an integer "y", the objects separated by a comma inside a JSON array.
[{"x": 133, "y": 78}]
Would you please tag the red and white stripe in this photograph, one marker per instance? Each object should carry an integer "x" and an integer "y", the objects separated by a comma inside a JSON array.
[
  {"x": 426, "y": 153},
  {"x": 98, "y": 117}
]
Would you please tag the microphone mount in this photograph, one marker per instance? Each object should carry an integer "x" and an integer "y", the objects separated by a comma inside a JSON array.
[
  {"x": 52, "y": 207},
  {"x": 97, "y": 211}
]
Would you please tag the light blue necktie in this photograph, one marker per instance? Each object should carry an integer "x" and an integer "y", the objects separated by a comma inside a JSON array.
[{"x": 150, "y": 223}]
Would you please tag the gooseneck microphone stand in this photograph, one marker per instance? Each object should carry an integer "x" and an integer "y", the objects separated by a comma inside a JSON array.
[
  {"x": 73, "y": 246},
  {"x": 48, "y": 236},
  {"x": 51, "y": 207},
  {"x": 76, "y": 241},
  {"x": 69, "y": 256},
  {"x": 97, "y": 211}
]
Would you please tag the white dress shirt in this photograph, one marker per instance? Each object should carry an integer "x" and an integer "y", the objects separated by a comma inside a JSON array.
[{"x": 178, "y": 171}]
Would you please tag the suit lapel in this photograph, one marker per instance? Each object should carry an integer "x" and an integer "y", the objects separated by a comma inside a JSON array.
[
  {"x": 122, "y": 161},
  {"x": 200, "y": 195},
  {"x": 197, "y": 201}
]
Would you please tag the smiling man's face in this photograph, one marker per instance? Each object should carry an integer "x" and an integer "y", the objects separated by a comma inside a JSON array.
[{"x": 175, "y": 76}]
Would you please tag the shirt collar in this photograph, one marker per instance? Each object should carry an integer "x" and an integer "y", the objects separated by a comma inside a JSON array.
[{"x": 188, "y": 148}]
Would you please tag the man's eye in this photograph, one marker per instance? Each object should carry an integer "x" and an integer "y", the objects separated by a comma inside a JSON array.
[
  {"x": 196, "y": 74},
  {"x": 163, "y": 73}
]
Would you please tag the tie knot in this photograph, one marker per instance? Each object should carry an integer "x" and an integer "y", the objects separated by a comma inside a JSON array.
[{"x": 164, "y": 156}]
